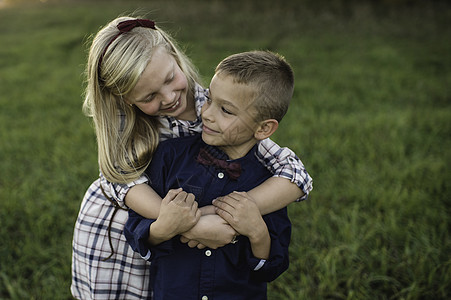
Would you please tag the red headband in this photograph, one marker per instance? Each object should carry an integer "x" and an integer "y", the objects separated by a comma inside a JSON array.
[{"x": 125, "y": 26}]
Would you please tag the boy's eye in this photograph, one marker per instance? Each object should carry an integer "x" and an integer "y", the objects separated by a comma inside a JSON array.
[{"x": 226, "y": 111}]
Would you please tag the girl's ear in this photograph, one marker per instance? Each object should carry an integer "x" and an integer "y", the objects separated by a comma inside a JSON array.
[
  {"x": 266, "y": 129},
  {"x": 128, "y": 103}
]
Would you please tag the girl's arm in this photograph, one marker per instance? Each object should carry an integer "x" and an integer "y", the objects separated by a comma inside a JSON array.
[
  {"x": 178, "y": 213},
  {"x": 210, "y": 231},
  {"x": 274, "y": 194},
  {"x": 144, "y": 200},
  {"x": 116, "y": 191},
  {"x": 290, "y": 181}
]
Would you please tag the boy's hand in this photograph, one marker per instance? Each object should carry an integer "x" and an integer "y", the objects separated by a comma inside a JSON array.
[
  {"x": 242, "y": 213},
  {"x": 178, "y": 213},
  {"x": 211, "y": 231}
]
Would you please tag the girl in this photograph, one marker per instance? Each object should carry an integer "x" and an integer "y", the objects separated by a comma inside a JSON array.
[{"x": 142, "y": 89}]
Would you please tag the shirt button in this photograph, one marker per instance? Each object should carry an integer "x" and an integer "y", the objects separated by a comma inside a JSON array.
[
  {"x": 220, "y": 175},
  {"x": 207, "y": 253},
  {"x": 204, "y": 298}
]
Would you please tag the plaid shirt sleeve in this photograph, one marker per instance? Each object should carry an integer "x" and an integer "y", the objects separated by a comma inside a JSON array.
[
  {"x": 117, "y": 191},
  {"x": 282, "y": 162}
]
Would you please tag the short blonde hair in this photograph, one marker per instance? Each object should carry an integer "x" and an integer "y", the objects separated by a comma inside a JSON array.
[
  {"x": 126, "y": 137},
  {"x": 269, "y": 73}
]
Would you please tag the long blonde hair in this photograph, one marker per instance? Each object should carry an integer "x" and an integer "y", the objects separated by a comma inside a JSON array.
[{"x": 126, "y": 137}]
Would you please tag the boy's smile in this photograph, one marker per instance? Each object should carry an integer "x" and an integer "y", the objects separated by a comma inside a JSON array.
[{"x": 228, "y": 116}]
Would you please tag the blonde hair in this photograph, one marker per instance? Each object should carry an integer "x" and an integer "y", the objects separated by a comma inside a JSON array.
[
  {"x": 126, "y": 137},
  {"x": 270, "y": 74}
]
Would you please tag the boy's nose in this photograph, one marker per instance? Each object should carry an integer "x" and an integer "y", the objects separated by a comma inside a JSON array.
[{"x": 206, "y": 113}]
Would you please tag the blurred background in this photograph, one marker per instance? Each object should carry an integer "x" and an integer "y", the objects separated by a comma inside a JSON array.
[{"x": 370, "y": 119}]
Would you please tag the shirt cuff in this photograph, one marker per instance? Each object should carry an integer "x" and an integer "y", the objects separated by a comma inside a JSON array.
[
  {"x": 260, "y": 264},
  {"x": 140, "y": 180},
  {"x": 147, "y": 256}
]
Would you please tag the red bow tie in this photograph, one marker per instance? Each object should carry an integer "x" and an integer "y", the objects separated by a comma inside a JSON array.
[{"x": 233, "y": 169}]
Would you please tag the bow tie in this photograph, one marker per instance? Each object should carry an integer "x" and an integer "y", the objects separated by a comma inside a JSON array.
[{"x": 233, "y": 169}]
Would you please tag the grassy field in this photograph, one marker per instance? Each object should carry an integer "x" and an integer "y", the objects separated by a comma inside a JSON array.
[{"x": 371, "y": 120}]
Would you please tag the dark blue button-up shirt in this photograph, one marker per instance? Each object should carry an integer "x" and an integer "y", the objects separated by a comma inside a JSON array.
[{"x": 230, "y": 272}]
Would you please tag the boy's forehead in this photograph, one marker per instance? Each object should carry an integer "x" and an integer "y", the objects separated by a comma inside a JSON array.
[{"x": 226, "y": 87}]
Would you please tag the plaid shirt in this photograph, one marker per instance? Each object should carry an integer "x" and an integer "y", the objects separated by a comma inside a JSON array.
[{"x": 100, "y": 273}]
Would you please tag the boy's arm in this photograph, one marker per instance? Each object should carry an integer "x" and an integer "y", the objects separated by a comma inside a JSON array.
[
  {"x": 136, "y": 232},
  {"x": 244, "y": 216},
  {"x": 260, "y": 241},
  {"x": 266, "y": 266},
  {"x": 279, "y": 227}
]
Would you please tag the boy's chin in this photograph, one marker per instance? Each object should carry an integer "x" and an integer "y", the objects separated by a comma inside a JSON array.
[{"x": 208, "y": 139}]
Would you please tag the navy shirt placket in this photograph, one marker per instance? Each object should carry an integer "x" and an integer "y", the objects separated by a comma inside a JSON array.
[{"x": 207, "y": 274}]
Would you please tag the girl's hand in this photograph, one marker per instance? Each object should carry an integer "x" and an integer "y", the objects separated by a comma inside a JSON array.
[
  {"x": 210, "y": 231},
  {"x": 242, "y": 213},
  {"x": 178, "y": 213}
]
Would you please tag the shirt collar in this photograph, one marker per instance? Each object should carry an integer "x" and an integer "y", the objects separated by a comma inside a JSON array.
[{"x": 218, "y": 153}]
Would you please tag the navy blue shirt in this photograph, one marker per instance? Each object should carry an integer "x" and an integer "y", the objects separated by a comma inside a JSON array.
[{"x": 230, "y": 272}]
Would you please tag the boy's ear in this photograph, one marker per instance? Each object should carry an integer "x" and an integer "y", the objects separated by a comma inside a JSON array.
[{"x": 265, "y": 129}]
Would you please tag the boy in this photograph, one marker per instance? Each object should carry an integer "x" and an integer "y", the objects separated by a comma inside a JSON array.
[{"x": 249, "y": 95}]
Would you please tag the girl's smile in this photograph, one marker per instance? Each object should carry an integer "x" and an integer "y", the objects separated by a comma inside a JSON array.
[{"x": 162, "y": 89}]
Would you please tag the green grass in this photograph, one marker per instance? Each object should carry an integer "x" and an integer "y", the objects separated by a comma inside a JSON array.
[{"x": 370, "y": 118}]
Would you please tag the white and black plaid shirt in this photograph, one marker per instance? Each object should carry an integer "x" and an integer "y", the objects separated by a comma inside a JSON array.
[{"x": 100, "y": 273}]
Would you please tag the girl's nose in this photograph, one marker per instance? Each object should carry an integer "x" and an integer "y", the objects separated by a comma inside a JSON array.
[{"x": 168, "y": 97}]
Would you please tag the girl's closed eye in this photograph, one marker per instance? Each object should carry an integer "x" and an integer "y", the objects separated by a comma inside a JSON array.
[
  {"x": 149, "y": 99},
  {"x": 170, "y": 78}
]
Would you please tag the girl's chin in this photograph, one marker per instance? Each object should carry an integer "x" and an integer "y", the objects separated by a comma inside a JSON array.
[
  {"x": 178, "y": 112},
  {"x": 184, "y": 113}
]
